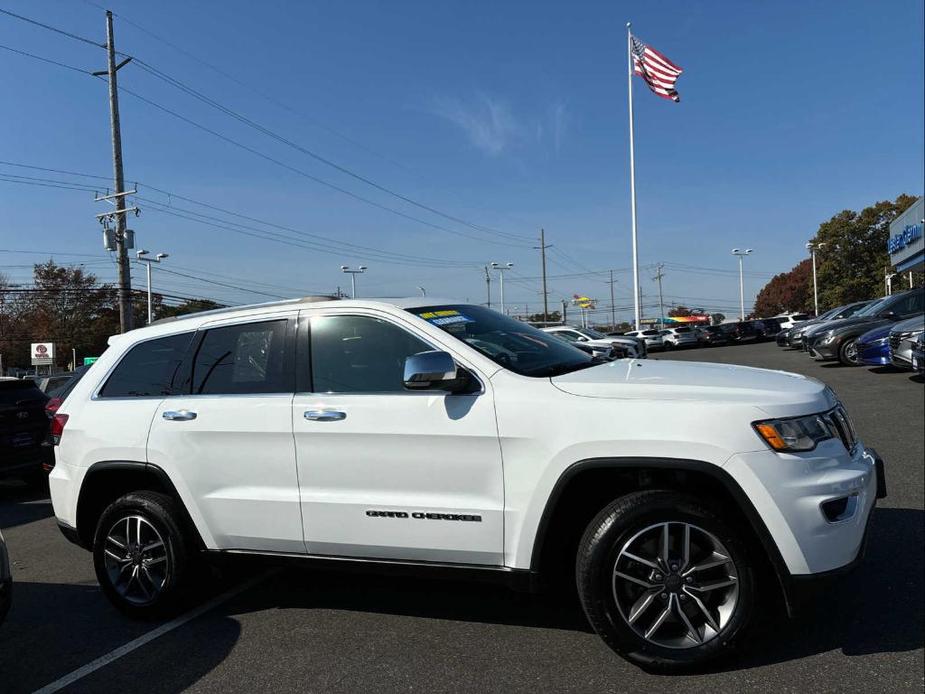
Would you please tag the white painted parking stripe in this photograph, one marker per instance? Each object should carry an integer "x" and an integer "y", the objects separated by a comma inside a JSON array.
[{"x": 147, "y": 637}]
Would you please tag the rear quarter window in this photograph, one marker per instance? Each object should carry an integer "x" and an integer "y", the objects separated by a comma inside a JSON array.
[{"x": 148, "y": 368}]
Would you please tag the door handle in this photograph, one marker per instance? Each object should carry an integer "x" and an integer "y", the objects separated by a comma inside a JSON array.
[
  {"x": 325, "y": 415},
  {"x": 179, "y": 415}
]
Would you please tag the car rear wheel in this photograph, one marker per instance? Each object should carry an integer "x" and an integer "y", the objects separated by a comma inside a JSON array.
[
  {"x": 664, "y": 581},
  {"x": 848, "y": 353},
  {"x": 141, "y": 554}
]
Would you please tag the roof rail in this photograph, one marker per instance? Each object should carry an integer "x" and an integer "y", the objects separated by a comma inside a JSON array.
[{"x": 230, "y": 309}]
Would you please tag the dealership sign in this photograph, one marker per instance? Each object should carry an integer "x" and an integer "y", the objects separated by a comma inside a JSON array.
[
  {"x": 43, "y": 353},
  {"x": 909, "y": 234}
]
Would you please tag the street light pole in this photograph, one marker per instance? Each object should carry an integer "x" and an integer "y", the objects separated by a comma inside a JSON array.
[
  {"x": 423, "y": 291},
  {"x": 741, "y": 255},
  {"x": 147, "y": 261},
  {"x": 501, "y": 268},
  {"x": 812, "y": 247},
  {"x": 353, "y": 272}
]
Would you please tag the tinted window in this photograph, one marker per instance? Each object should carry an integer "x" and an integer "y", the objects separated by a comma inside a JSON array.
[
  {"x": 148, "y": 368},
  {"x": 509, "y": 343},
  {"x": 242, "y": 359},
  {"x": 360, "y": 354},
  {"x": 682, "y": 330},
  {"x": 567, "y": 335},
  {"x": 13, "y": 393},
  {"x": 909, "y": 304}
]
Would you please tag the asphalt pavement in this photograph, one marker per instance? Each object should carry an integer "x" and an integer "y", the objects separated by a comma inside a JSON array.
[{"x": 289, "y": 629}]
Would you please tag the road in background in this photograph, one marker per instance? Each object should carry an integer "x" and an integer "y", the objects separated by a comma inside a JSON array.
[{"x": 305, "y": 631}]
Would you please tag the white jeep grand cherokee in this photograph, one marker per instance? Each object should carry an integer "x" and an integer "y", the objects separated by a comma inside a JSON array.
[{"x": 432, "y": 435}]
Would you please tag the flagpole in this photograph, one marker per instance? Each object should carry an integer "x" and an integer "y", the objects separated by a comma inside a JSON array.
[{"x": 629, "y": 84}]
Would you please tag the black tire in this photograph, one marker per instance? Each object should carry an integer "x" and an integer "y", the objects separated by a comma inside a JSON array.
[
  {"x": 848, "y": 352},
  {"x": 165, "y": 516},
  {"x": 598, "y": 551}
]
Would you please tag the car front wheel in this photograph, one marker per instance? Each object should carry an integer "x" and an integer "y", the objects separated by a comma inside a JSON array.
[
  {"x": 848, "y": 353},
  {"x": 664, "y": 581},
  {"x": 141, "y": 554}
]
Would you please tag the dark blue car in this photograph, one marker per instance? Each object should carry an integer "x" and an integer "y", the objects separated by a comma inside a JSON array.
[{"x": 874, "y": 346}]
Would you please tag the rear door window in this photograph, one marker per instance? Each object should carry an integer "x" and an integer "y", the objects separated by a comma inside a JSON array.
[
  {"x": 243, "y": 359},
  {"x": 148, "y": 369}
]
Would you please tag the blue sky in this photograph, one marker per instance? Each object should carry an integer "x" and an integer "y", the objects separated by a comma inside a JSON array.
[{"x": 509, "y": 116}]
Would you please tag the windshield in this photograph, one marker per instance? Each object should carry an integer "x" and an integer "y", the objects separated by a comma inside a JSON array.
[
  {"x": 874, "y": 308},
  {"x": 593, "y": 334},
  {"x": 852, "y": 310},
  {"x": 509, "y": 343}
]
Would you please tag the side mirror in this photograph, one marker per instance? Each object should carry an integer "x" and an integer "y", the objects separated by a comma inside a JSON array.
[
  {"x": 890, "y": 315},
  {"x": 434, "y": 370},
  {"x": 582, "y": 339}
]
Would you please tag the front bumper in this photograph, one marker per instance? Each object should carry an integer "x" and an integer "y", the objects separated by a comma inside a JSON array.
[{"x": 795, "y": 495}]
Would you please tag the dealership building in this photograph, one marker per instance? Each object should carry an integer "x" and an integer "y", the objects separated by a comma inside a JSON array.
[{"x": 907, "y": 245}]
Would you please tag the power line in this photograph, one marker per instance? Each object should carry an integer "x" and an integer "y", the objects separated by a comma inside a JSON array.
[
  {"x": 54, "y": 29},
  {"x": 266, "y": 131},
  {"x": 44, "y": 60}
]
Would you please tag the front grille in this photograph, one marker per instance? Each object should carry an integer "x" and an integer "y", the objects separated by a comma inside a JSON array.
[
  {"x": 840, "y": 426},
  {"x": 895, "y": 339}
]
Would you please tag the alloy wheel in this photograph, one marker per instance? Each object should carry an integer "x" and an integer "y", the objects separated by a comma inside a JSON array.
[
  {"x": 851, "y": 352},
  {"x": 136, "y": 560},
  {"x": 675, "y": 585}
]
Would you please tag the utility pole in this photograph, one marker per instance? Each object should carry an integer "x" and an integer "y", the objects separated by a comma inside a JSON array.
[
  {"x": 661, "y": 303},
  {"x": 501, "y": 268},
  {"x": 488, "y": 286},
  {"x": 613, "y": 303},
  {"x": 564, "y": 311},
  {"x": 542, "y": 248},
  {"x": 741, "y": 255},
  {"x": 125, "y": 277},
  {"x": 353, "y": 272},
  {"x": 812, "y": 248}
]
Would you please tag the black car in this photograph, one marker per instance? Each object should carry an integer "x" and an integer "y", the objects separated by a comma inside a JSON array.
[
  {"x": 24, "y": 427},
  {"x": 712, "y": 335},
  {"x": 840, "y": 338},
  {"x": 795, "y": 339},
  {"x": 744, "y": 331}
]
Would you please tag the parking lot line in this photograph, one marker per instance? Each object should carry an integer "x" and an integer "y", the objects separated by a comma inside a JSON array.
[{"x": 147, "y": 637}]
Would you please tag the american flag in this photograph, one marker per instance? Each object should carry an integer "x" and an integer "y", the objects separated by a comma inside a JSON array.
[{"x": 658, "y": 72}]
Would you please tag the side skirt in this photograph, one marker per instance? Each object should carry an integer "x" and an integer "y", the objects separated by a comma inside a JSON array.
[{"x": 521, "y": 580}]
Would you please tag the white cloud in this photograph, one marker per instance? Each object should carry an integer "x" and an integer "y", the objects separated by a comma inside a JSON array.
[{"x": 488, "y": 123}]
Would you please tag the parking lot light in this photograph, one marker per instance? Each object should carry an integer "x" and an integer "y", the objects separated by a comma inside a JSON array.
[{"x": 741, "y": 254}]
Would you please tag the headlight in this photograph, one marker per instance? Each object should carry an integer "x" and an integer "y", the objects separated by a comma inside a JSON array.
[
  {"x": 796, "y": 434},
  {"x": 826, "y": 338}
]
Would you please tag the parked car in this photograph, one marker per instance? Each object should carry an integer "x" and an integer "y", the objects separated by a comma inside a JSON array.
[
  {"x": 744, "y": 331},
  {"x": 788, "y": 320},
  {"x": 380, "y": 427},
  {"x": 57, "y": 395},
  {"x": 629, "y": 346},
  {"x": 49, "y": 383},
  {"x": 874, "y": 346},
  {"x": 23, "y": 430},
  {"x": 675, "y": 338},
  {"x": 6, "y": 580},
  {"x": 712, "y": 336},
  {"x": 770, "y": 326},
  {"x": 810, "y": 327},
  {"x": 839, "y": 339},
  {"x": 651, "y": 337},
  {"x": 918, "y": 353},
  {"x": 902, "y": 340}
]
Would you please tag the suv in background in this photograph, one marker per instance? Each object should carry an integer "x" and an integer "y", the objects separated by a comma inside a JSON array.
[
  {"x": 674, "y": 338},
  {"x": 372, "y": 432},
  {"x": 839, "y": 339},
  {"x": 23, "y": 430},
  {"x": 788, "y": 320},
  {"x": 627, "y": 346},
  {"x": 651, "y": 337}
]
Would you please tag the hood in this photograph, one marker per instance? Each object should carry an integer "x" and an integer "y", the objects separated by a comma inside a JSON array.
[
  {"x": 699, "y": 381},
  {"x": 852, "y": 323},
  {"x": 875, "y": 334}
]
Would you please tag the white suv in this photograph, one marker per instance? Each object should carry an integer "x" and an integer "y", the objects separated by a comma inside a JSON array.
[
  {"x": 430, "y": 435},
  {"x": 633, "y": 347},
  {"x": 679, "y": 337}
]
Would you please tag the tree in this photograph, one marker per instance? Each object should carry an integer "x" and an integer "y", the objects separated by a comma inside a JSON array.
[
  {"x": 188, "y": 306},
  {"x": 788, "y": 291},
  {"x": 554, "y": 317},
  {"x": 854, "y": 259}
]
